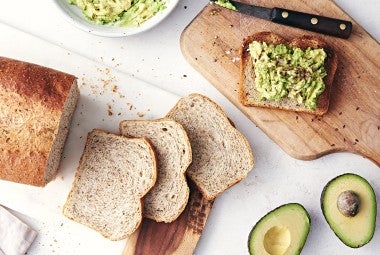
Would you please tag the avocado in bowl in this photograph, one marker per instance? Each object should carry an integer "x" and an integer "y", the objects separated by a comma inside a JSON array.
[{"x": 115, "y": 18}]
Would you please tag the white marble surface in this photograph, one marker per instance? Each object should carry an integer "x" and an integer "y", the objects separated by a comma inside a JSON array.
[{"x": 155, "y": 57}]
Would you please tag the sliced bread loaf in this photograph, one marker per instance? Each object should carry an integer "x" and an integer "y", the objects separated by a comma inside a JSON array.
[
  {"x": 221, "y": 154},
  {"x": 249, "y": 94},
  {"x": 36, "y": 107},
  {"x": 114, "y": 173},
  {"x": 169, "y": 196}
]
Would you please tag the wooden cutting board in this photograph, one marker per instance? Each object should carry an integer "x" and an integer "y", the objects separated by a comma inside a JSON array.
[{"x": 211, "y": 44}]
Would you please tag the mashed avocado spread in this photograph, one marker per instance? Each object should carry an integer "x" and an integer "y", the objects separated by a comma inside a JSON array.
[
  {"x": 129, "y": 13},
  {"x": 226, "y": 4},
  {"x": 282, "y": 71}
]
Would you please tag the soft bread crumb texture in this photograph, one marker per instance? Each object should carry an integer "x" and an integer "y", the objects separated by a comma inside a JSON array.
[
  {"x": 114, "y": 173},
  {"x": 221, "y": 154},
  {"x": 63, "y": 130},
  {"x": 169, "y": 196}
]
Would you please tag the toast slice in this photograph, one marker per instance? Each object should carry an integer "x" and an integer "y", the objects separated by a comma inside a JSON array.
[
  {"x": 169, "y": 196},
  {"x": 222, "y": 156},
  {"x": 249, "y": 96},
  {"x": 114, "y": 173}
]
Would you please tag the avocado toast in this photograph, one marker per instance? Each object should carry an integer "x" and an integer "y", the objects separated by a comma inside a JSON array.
[{"x": 295, "y": 75}]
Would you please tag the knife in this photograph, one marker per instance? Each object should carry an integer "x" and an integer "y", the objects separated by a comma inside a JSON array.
[{"x": 320, "y": 24}]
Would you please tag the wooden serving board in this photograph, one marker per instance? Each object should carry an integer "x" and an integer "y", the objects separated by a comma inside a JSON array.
[{"x": 211, "y": 43}]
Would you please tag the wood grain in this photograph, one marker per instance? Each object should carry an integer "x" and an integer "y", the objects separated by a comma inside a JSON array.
[
  {"x": 211, "y": 43},
  {"x": 178, "y": 237}
]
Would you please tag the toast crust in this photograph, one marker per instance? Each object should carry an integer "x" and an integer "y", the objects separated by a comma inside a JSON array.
[{"x": 248, "y": 95}]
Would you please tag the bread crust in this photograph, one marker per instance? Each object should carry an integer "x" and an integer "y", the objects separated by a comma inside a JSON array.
[
  {"x": 35, "y": 82},
  {"x": 26, "y": 87},
  {"x": 249, "y": 97}
]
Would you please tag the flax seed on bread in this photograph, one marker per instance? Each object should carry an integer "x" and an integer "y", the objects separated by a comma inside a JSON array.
[
  {"x": 169, "y": 196},
  {"x": 248, "y": 94},
  {"x": 221, "y": 154},
  {"x": 114, "y": 174}
]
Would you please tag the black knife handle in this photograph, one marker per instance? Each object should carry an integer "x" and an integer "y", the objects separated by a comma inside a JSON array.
[{"x": 319, "y": 24}]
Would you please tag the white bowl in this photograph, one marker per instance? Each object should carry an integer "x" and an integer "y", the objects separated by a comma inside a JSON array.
[{"x": 75, "y": 16}]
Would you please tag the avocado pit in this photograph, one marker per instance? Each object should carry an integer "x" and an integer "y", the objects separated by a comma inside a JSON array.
[
  {"x": 277, "y": 240},
  {"x": 348, "y": 203}
]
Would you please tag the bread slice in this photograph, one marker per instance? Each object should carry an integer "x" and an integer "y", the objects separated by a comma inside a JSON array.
[
  {"x": 114, "y": 173},
  {"x": 248, "y": 93},
  {"x": 36, "y": 108},
  {"x": 221, "y": 154},
  {"x": 169, "y": 196}
]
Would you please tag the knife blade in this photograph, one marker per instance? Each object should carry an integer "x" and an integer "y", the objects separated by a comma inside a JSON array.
[{"x": 316, "y": 23}]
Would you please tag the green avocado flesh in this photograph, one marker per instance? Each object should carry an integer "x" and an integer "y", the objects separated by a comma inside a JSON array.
[
  {"x": 226, "y": 4},
  {"x": 354, "y": 231},
  {"x": 129, "y": 13},
  {"x": 282, "y": 71},
  {"x": 282, "y": 231}
]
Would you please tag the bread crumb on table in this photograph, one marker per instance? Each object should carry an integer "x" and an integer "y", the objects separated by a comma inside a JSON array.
[
  {"x": 109, "y": 110},
  {"x": 130, "y": 106}
]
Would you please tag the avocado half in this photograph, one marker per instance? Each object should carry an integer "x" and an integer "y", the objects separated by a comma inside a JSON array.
[
  {"x": 282, "y": 231},
  {"x": 355, "y": 229}
]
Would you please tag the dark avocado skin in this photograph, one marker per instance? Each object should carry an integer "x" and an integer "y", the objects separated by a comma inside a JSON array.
[
  {"x": 307, "y": 233},
  {"x": 323, "y": 209}
]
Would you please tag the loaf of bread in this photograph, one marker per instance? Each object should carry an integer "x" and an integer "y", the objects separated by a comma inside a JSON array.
[
  {"x": 36, "y": 107},
  {"x": 249, "y": 94},
  {"x": 221, "y": 154},
  {"x": 169, "y": 196},
  {"x": 114, "y": 174}
]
